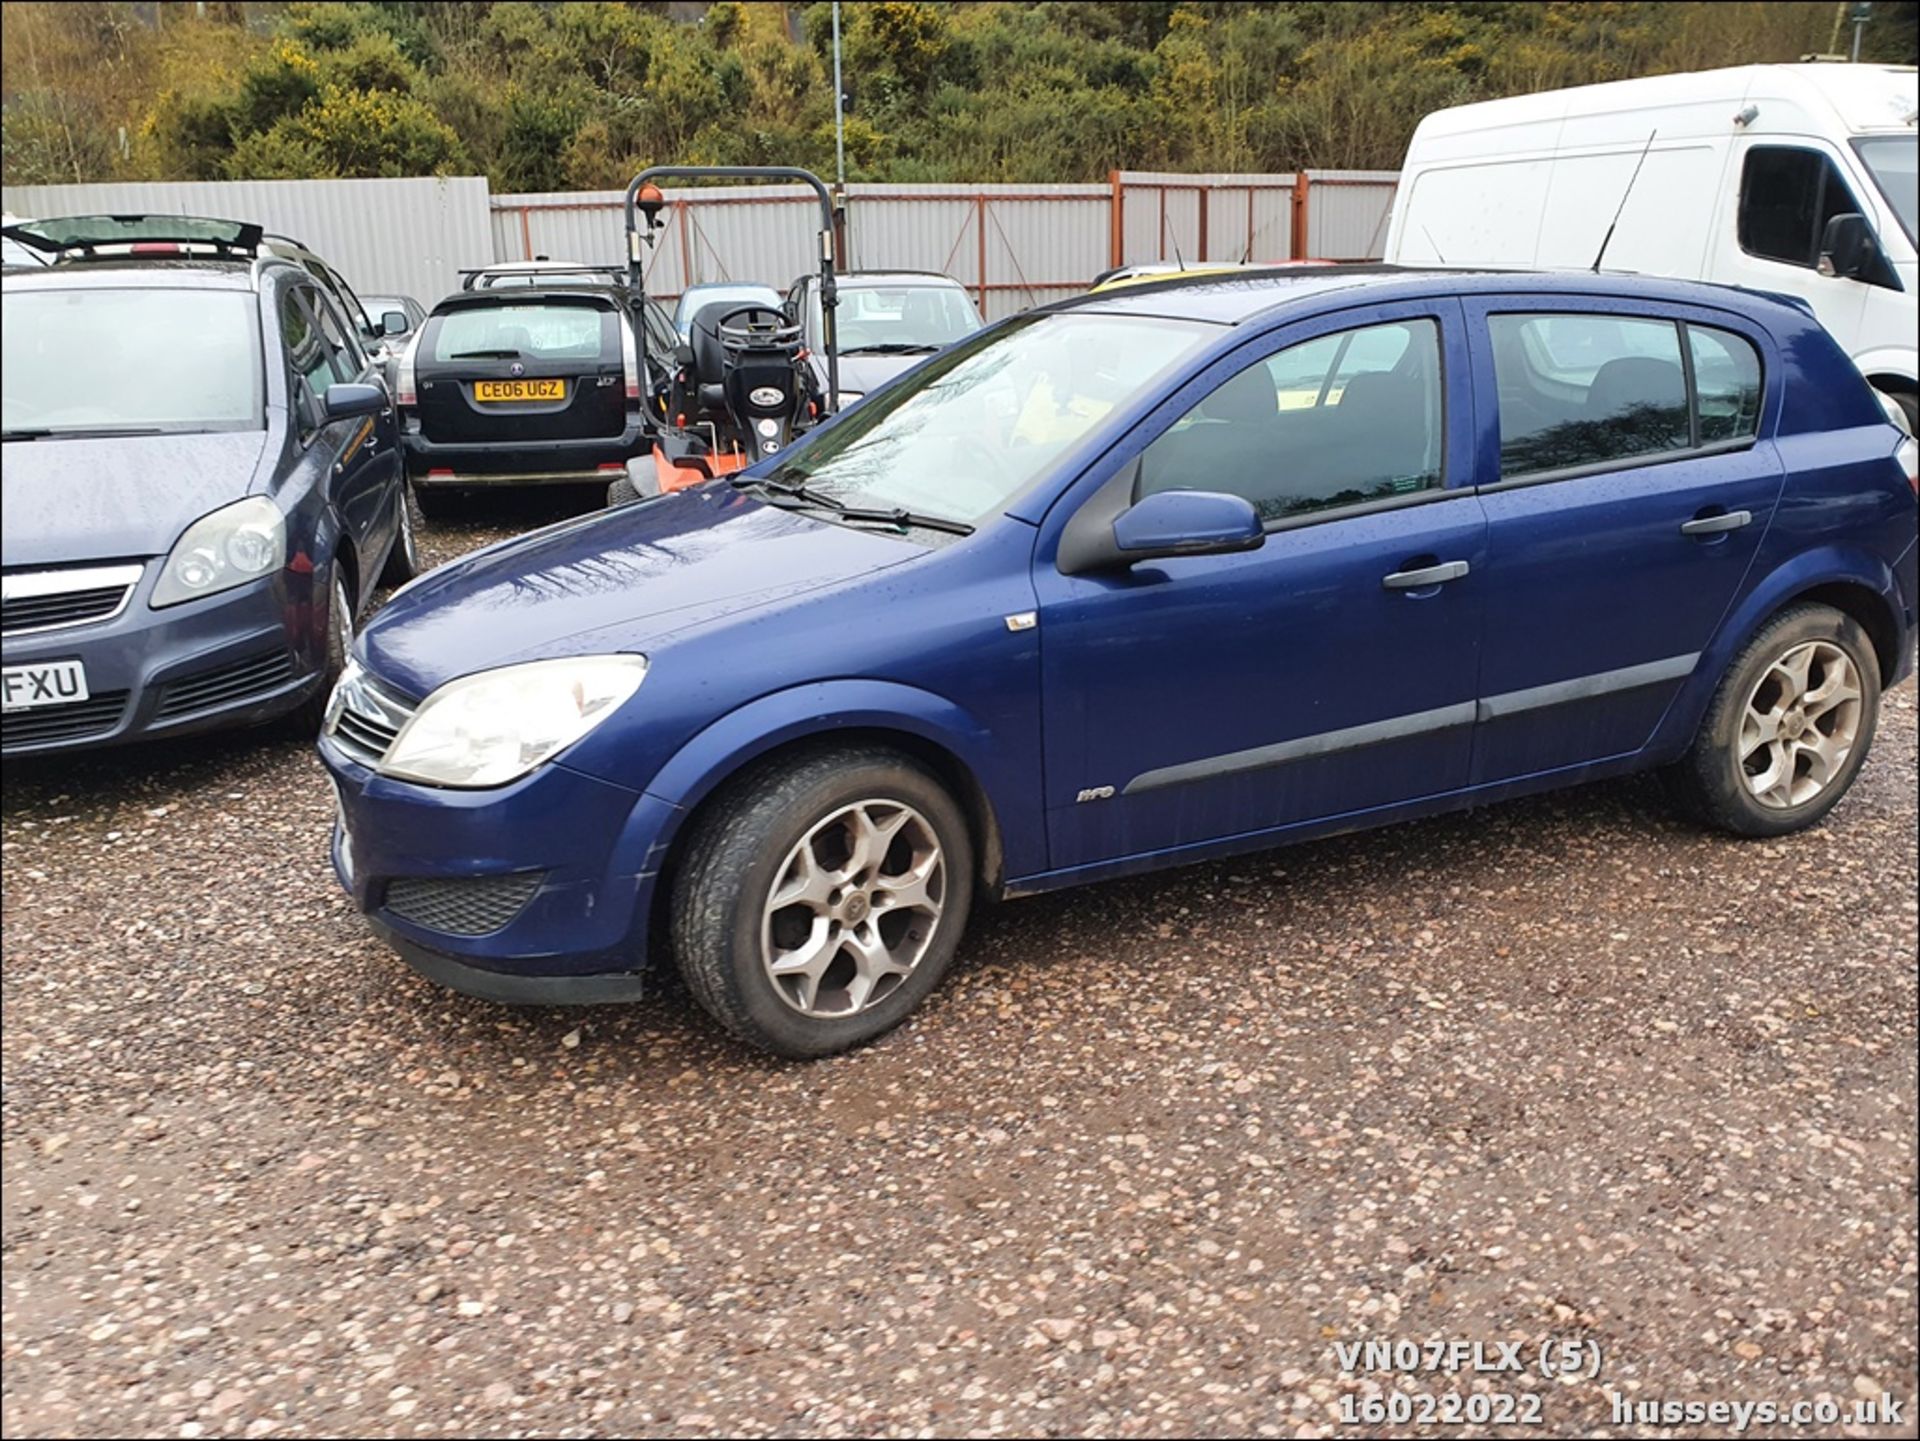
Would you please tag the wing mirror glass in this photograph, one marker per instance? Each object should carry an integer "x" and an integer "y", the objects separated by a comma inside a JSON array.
[{"x": 393, "y": 322}]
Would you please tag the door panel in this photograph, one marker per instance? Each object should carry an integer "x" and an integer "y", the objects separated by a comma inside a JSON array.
[
  {"x": 1204, "y": 697},
  {"x": 1603, "y": 589},
  {"x": 1228, "y": 694},
  {"x": 366, "y": 468}
]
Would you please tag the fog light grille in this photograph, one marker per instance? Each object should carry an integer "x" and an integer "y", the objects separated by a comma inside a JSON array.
[{"x": 462, "y": 905}]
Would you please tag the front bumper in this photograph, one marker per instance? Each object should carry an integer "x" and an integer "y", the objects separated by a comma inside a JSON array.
[
  {"x": 238, "y": 658},
  {"x": 521, "y": 462},
  {"x": 580, "y": 936}
]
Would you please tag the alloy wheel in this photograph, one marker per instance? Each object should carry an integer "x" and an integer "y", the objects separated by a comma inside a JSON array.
[
  {"x": 1800, "y": 724},
  {"x": 853, "y": 908},
  {"x": 409, "y": 547}
]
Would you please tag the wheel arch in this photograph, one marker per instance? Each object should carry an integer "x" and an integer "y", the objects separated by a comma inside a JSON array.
[
  {"x": 1853, "y": 581},
  {"x": 931, "y": 729}
]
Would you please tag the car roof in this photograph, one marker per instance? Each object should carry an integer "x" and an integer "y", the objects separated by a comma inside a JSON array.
[
  {"x": 142, "y": 273},
  {"x": 859, "y": 279},
  {"x": 494, "y": 296},
  {"x": 1240, "y": 297}
]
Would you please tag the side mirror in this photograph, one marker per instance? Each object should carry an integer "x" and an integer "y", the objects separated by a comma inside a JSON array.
[
  {"x": 1850, "y": 250},
  {"x": 1187, "y": 522},
  {"x": 393, "y": 322},
  {"x": 346, "y": 401}
]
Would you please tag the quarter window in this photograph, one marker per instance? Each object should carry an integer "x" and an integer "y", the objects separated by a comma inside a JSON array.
[
  {"x": 1339, "y": 420},
  {"x": 1726, "y": 379},
  {"x": 1787, "y": 196}
]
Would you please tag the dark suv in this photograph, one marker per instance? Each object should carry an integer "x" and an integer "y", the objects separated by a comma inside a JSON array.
[
  {"x": 529, "y": 384},
  {"x": 202, "y": 483}
]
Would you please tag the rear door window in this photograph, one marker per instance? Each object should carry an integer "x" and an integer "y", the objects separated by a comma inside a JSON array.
[
  {"x": 1787, "y": 195},
  {"x": 1582, "y": 392},
  {"x": 542, "y": 333}
]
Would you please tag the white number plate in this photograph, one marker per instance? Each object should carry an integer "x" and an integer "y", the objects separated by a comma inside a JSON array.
[{"x": 53, "y": 682}]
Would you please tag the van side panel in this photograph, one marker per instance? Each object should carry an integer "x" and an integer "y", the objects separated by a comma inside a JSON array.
[{"x": 1668, "y": 212}]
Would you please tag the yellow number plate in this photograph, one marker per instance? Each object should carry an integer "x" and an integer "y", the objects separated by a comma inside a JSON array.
[{"x": 519, "y": 390}]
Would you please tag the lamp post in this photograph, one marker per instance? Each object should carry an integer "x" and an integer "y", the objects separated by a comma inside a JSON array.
[{"x": 839, "y": 112}]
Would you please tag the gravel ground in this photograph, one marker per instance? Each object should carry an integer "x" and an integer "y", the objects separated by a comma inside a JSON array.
[{"x": 1565, "y": 1070}]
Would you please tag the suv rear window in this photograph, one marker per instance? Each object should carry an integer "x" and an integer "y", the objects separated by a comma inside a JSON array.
[
  {"x": 533, "y": 332},
  {"x": 77, "y": 360}
]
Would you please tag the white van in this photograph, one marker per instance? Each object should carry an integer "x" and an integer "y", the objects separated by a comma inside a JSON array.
[{"x": 1746, "y": 175}]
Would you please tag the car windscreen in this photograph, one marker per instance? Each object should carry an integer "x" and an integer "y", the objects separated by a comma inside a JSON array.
[
  {"x": 902, "y": 318},
  {"x": 701, "y": 296},
  {"x": 980, "y": 423},
  {"x": 1892, "y": 158},
  {"x": 529, "y": 332},
  {"x": 78, "y": 360}
]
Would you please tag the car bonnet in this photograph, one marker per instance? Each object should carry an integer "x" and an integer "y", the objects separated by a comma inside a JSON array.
[{"x": 619, "y": 580}]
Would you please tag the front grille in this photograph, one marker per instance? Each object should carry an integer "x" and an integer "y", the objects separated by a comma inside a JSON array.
[
  {"x": 364, "y": 716},
  {"x": 94, "y": 716},
  {"x": 50, "y": 599},
  {"x": 225, "y": 684},
  {"x": 44, "y": 612},
  {"x": 462, "y": 906}
]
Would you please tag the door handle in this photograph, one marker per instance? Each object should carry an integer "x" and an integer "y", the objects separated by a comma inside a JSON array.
[
  {"x": 1717, "y": 524},
  {"x": 1425, "y": 576}
]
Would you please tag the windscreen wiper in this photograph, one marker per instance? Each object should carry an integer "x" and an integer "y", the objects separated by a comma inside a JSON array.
[
  {"x": 891, "y": 347},
  {"x": 104, "y": 433},
  {"x": 793, "y": 493},
  {"x": 486, "y": 355}
]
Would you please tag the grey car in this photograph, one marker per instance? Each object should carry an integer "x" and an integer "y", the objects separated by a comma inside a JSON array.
[{"x": 202, "y": 484}]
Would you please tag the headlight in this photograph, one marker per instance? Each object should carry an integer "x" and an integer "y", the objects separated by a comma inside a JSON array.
[
  {"x": 236, "y": 544},
  {"x": 493, "y": 727}
]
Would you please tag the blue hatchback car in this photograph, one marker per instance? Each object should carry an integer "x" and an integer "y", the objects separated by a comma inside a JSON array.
[{"x": 1141, "y": 579}]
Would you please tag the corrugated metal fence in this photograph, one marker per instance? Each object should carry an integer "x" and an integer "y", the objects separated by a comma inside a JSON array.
[
  {"x": 1012, "y": 246},
  {"x": 407, "y": 237}
]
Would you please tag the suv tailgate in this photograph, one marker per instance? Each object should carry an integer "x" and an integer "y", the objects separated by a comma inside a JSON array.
[{"x": 507, "y": 367}]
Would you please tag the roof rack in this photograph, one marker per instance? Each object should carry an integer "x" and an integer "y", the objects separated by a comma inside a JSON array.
[
  {"x": 525, "y": 267},
  {"x": 89, "y": 237}
]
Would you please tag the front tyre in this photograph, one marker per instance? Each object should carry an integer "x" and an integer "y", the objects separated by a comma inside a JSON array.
[
  {"x": 1789, "y": 728},
  {"x": 821, "y": 900},
  {"x": 308, "y": 719}
]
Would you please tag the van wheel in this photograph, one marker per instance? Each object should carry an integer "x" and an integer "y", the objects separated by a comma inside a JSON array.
[
  {"x": 1789, "y": 728},
  {"x": 821, "y": 900}
]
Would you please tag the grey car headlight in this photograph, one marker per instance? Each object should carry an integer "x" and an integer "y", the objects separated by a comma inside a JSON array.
[
  {"x": 494, "y": 726},
  {"x": 233, "y": 545}
]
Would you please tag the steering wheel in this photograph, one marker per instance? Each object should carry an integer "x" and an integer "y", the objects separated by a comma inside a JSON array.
[{"x": 751, "y": 316}]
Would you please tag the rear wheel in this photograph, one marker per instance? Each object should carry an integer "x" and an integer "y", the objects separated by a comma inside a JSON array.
[
  {"x": 821, "y": 901},
  {"x": 1789, "y": 728},
  {"x": 403, "y": 560}
]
